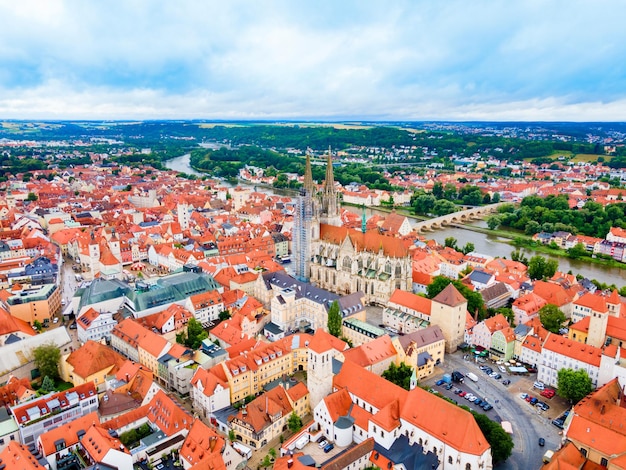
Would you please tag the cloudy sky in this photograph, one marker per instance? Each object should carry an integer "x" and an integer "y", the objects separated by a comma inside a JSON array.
[{"x": 335, "y": 60}]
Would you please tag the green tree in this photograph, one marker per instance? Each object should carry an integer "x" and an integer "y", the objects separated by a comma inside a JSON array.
[
  {"x": 500, "y": 441},
  {"x": 400, "y": 376},
  {"x": 493, "y": 222},
  {"x": 578, "y": 251},
  {"x": 32, "y": 197},
  {"x": 334, "y": 320},
  {"x": 468, "y": 248},
  {"x": 450, "y": 242},
  {"x": 519, "y": 257},
  {"x": 551, "y": 317},
  {"x": 573, "y": 385},
  {"x": 224, "y": 315},
  {"x": 231, "y": 435},
  {"x": 507, "y": 313},
  {"x": 47, "y": 385},
  {"x": 47, "y": 358},
  {"x": 294, "y": 423},
  {"x": 443, "y": 207},
  {"x": 540, "y": 268},
  {"x": 195, "y": 334},
  {"x": 37, "y": 325},
  {"x": 495, "y": 198},
  {"x": 438, "y": 190}
]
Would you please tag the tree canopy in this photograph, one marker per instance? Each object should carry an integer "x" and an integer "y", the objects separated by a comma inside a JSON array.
[
  {"x": 334, "y": 319},
  {"x": 551, "y": 317},
  {"x": 573, "y": 385},
  {"x": 47, "y": 358},
  {"x": 542, "y": 268},
  {"x": 399, "y": 375},
  {"x": 294, "y": 423},
  {"x": 195, "y": 335},
  {"x": 500, "y": 441}
]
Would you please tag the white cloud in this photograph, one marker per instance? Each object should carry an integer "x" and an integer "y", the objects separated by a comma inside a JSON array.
[{"x": 490, "y": 60}]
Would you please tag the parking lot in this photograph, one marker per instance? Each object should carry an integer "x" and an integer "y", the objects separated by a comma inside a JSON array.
[{"x": 493, "y": 390}]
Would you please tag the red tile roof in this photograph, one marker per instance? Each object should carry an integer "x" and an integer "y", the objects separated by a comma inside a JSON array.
[
  {"x": 570, "y": 348},
  {"x": 450, "y": 296},
  {"x": 203, "y": 444},
  {"x": 371, "y": 241}
]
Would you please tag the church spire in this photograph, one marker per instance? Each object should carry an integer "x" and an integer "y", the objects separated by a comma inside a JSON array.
[
  {"x": 329, "y": 184},
  {"x": 308, "y": 176},
  {"x": 363, "y": 221}
]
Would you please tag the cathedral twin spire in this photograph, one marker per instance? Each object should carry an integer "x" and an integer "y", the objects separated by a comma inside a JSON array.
[{"x": 329, "y": 197}]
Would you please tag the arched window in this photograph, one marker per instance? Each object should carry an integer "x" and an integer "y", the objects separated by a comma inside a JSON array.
[
  {"x": 450, "y": 459},
  {"x": 398, "y": 270},
  {"x": 347, "y": 263},
  {"x": 388, "y": 267},
  {"x": 468, "y": 466}
]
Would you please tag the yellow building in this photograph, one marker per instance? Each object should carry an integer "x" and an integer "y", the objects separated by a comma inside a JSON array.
[
  {"x": 267, "y": 416},
  {"x": 36, "y": 303},
  {"x": 422, "y": 350},
  {"x": 92, "y": 362},
  {"x": 250, "y": 371}
]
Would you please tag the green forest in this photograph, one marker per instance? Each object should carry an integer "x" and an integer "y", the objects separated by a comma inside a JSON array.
[{"x": 227, "y": 163}]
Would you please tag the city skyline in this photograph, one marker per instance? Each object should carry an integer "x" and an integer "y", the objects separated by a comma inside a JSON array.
[{"x": 486, "y": 60}]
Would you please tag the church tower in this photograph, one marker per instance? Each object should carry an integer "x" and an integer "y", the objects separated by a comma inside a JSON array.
[
  {"x": 182, "y": 211},
  {"x": 319, "y": 376},
  {"x": 114, "y": 245},
  {"x": 330, "y": 197},
  {"x": 306, "y": 227},
  {"x": 597, "y": 328}
]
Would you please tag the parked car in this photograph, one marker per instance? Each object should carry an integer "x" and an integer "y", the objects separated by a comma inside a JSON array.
[
  {"x": 497, "y": 376},
  {"x": 543, "y": 406},
  {"x": 440, "y": 382},
  {"x": 506, "y": 382},
  {"x": 529, "y": 398},
  {"x": 502, "y": 369},
  {"x": 462, "y": 394},
  {"x": 449, "y": 386},
  {"x": 539, "y": 385},
  {"x": 542, "y": 441},
  {"x": 558, "y": 422},
  {"x": 473, "y": 399},
  {"x": 487, "y": 407},
  {"x": 458, "y": 391},
  {"x": 523, "y": 396},
  {"x": 548, "y": 393},
  {"x": 533, "y": 401},
  {"x": 488, "y": 371},
  {"x": 323, "y": 443},
  {"x": 478, "y": 402},
  {"x": 328, "y": 448},
  {"x": 55, "y": 320}
]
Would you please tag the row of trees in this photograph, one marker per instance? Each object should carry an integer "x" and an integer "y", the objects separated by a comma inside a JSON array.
[{"x": 553, "y": 214}]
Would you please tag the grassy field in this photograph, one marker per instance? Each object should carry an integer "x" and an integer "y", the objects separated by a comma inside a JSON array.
[
  {"x": 588, "y": 157},
  {"x": 574, "y": 158}
]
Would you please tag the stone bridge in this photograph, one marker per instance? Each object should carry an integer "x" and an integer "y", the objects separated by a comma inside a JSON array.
[{"x": 460, "y": 217}]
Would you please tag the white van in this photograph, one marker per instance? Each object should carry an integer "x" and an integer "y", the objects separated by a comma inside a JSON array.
[{"x": 471, "y": 376}]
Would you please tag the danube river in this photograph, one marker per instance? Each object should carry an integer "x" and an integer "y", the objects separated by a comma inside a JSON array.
[{"x": 485, "y": 244}]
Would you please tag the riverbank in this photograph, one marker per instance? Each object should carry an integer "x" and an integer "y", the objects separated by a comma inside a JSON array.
[{"x": 521, "y": 240}]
